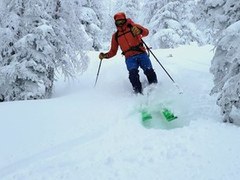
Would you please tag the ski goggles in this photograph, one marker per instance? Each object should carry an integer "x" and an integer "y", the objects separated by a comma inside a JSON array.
[{"x": 120, "y": 22}]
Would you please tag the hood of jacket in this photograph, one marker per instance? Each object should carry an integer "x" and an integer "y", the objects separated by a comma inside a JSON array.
[{"x": 120, "y": 15}]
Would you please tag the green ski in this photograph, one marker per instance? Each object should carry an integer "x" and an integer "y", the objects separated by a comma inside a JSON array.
[
  {"x": 169, "y": 116},
  {"x": 165, "y": 112},
  {"x": 146, "y": 115}
]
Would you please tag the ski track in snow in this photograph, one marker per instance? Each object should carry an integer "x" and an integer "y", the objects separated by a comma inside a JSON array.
[
  {"x": 108, "y": 140},
  {"x": 53, "y": 151}
]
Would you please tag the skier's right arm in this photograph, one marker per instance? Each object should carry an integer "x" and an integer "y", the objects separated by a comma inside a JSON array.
[{"x": 113, "y": 51}]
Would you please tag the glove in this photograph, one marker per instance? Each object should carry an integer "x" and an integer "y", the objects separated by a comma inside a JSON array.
[
  {"x": 103, "y": 55},
  {"x": 136, "y": 31}
]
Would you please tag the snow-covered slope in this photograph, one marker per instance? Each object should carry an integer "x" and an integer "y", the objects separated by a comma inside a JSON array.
[{"x": 87, "y": 133}]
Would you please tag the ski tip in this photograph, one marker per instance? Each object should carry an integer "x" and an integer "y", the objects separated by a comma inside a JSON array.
[
  {"x": 146, "y": 116},
  {"x": 168, "y": 115}
]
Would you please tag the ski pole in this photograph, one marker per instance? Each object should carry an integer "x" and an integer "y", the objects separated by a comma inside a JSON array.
[
  {"x": 162, "y": 66},
  {"x": 158, "y": 61},
  {"x": 99, "y": 67}
]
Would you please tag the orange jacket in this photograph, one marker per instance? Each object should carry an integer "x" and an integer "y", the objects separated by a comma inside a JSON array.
[{"x": 125, "y": 39}]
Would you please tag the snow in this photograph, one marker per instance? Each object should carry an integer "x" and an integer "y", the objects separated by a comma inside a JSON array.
[
  {"x": 96, "y": 133},
  {"x": 215, "y": 3},
  {"x": 233, "y": 28}
]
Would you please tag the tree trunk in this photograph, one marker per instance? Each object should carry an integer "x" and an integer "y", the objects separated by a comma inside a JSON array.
[
  {"x": 57, "y": 9},
  {"x": 49, "y": 85},
  {"x": 50, "y": 70}
]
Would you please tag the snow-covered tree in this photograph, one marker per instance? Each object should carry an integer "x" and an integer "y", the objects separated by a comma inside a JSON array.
[
  {"x": 130, "y": 8},
  {"x": 202, "y": 23},
  {"x": 40, "y": 38},
  {"x": 216, "y": 15},
  {"x": 103, "y": 12},
  {"x": 94, "y": 16},
  {"x": 226, "y": 61},
  {"x": 226, "y": 70},
  {"x": 219, "y": 13},
  {"x": 171, "y": 22}
]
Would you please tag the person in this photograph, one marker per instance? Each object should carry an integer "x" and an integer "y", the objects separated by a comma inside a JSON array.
[{"x": 129, "y": 37}]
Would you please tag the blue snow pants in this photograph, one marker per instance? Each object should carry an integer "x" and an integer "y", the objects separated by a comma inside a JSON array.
[{"x": 133, "y": 63}]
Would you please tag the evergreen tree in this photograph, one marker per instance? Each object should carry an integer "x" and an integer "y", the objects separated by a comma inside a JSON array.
[
  {"x": 94, "y": 17},
  {"x": 40, "y": 39},
  {"x": 226, "y": 61},
  {"x": 213, "y": 16},
  {"x": 130, "y": 8},
  {"x": 171, "y": 22},
  {"x": 219, "y": 14},
  {"x": 103, "y": 11}
]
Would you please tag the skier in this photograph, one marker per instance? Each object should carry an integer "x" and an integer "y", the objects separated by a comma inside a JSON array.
[{"x": 128, "y": 37}]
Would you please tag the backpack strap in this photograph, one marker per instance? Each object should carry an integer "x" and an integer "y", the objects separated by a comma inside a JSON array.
[
  {"x": 133, "y": 48},
  {"x": 117, "y": 34}
]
